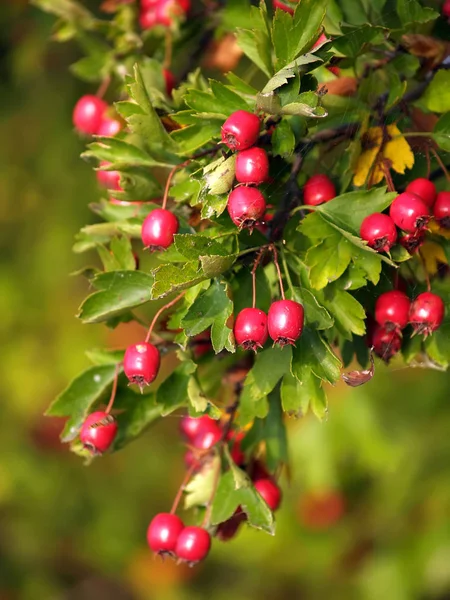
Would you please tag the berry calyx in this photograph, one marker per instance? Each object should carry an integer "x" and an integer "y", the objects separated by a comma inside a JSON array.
[
  {"x": 246, "y": 206},
  {"x": 252, "y": 166},
  {"x": 424, "y": 188},
  {"x": 241, "y": 130},
  {"x": 163, "y": 533},
  {"x": 392, "y": 310},
  {"x": 193, "y": 544},
  {"x": 190, "y": 427},
  {"x": 379, "y": 232},
  {"x": 158, "y": 229},
  {"x": 412, "y": 241},
  {"x": 318, "y": 189},
  {"x": 108, "y": 179},
  {"x": 250, "y": 328},
  {"x": 285, "y": 321},
  {"x": 170, "y": 81},
  {"x": 141, "y": 363},
  {"x": 98, "y": 432},
  {"x": 441, "y": 209},
  {"x": 207, "y": 438},
  {"x": 426, "y": 313},
  {"x": 88, "y": 113},
  {"x": 409, "y": 212},
  {"x": 270, "y": 492},
  {"x": 386, "y": 344}
]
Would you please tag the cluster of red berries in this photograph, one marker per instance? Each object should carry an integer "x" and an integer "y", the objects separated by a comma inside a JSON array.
[
  {"x": 410, "y": 212},
  {"x": 162, "y": 12},
  {"x": 90, "y": 117},
  {"x": 246, "y": 204},
  {"x": 394, "y": 311}
]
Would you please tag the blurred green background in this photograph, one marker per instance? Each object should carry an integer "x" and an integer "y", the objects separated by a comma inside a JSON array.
[{"x": 367, "y": 512}]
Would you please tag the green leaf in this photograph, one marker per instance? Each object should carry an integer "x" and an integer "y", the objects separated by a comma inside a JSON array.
[
  {"x": 80, "y": 395},
  {"x": 436, "y": 97},
  {"x": 123, "y": 253},
  {"x": 348, "y": 313},
  {"x": 300, "y": 394},
  {"x": 437, "y": 345},
  {"x": 291, "y": 70},
  {"x": 119, "y": 291},
  {"x": 316, "y": 315},
  {"x": 255, "y": 42},
  {"x": 313, "y": 352},
  {"x": 140, "y": 412},
  {"x": 328, "y": 260},
  {"x": 293, "y": 35},
  {"x": 196, "y": 136},
  {"x": 411, "y": 12},
  {"x": 201, "y": 487},
  {"x": 171, "y": 278},
  {"x": 102, "y": 356},
  {"x": 122, "y": 155},
  {"x": 220, "y": 180},
  {"x": 171, "y": 393},
  {"x": 442, "y": 132},
  {"x": 213, "y": 308},
  {"x": 275, "y": 434},
  {"x": 355, "y": 40},
  {"x": 283, "y": 140},
  {"x": 306, "y": 105}
]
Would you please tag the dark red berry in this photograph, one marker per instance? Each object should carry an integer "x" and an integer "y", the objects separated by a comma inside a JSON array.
[
  {"x": 285, "y": 321},
  {"x": 236, "y": 451},
  {"x": 379, "y": 232},
  {"x": 88, "y": 113},
  {"x": 207, "y": 438},
  {"x": 98, "y": 432},
  {"x": 426, "y": 313},
  {"x": 270, "y": 492},
  {"x": 109, "y": 127},
  {"x": 252, "y": 166},
  {"x": 147, "y": 19},
  {"x": 442, "y": 209},
  {"x": 409, "y": 212},
  {"x": 170, "y": 81},
  {"x": 241, "y": 130},
  {"x": 424, "y": 188},
  {"x": 158, "y": 229},
  {"x": 246, "y": 206},
  {"x": 386, "y": 344},
  {"x": 108, "y": 179},
  {"x": 412, "y": 241},
  {"x": 250, "y": 329},
  {"x": 190, "y": 427},
  {"x": 318, "y": 189},
  {"x": 228, "y": 529},
  {"x": 392, "y": 310},
  {"x": 149, "y": 4},
  {"x": 193, "y": 544},
  {"x": 446, "y": 9},
  {"x": 163, "y": 533},
  {"x": 141, "y": 363}
]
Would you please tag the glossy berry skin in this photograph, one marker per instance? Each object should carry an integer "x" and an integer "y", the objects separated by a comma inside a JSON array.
[
  {"x": 190, "y": 427},
  {"x": 270, "y": 492},
  {"x": 426, "y": 313},
  {"x": 158, "y": 229},
  {"x": 285, "y": 321},
  {"x": 441, "y": 209},
  {"x": 392, "y": 310},
  {"x": 109, "y": 127},
  {"x": 318, "y": 189},
  {"x": 386, "y": 344},
  {"x": 250, "y": 329},
  {"x": 163, "y": 533},
  {"x": 283, "y": 6},
  {"x": 141, "y": 363},
  {"x": 424, "y": 188},
  {"x": 409, "y": 212},
  {"x": 412, "y": 241},
  {"x": 147, "y": 19},
  {"x": 170, "y": 81},
  {"x": 207, "y": 438},
  {"x": 88, "y": 113},
  {"x": 193, "y": 544},
  {"x": 108, "y": 179},
  {"x": 168, "y": 10},
  {"x": 98, "y": 432},
  {"x": 321, "y": 40},
  {"x": 379, "y": 232},
  {"x": 246, "y": 206},
  {"x": 252, "y": 166},
  {"x": 241, "y": 130}
]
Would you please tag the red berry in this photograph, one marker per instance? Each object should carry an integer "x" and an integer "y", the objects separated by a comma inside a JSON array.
[
  {"x": 446, "y": 9},
  {"x": 147, "y": 19},
  {"x": 108, "y": 179},
  {"x": 236, "y": 452},
  {"x": 285, "y": 321},
  {"x": 88, "y": 114},
  {"x": 412, "y": 241},
  {"x": 241, "y": 130},
  {"x": 207, "y": 438},
  {"x": 426, "y": 313},
  {"x": 163, "y": 533},
  {"x": 246, "y": 206},
  {"x": 442, "y": 209},
  {"x": 141, "y": 363},
  {"x": 318, "y": 189},
  {"x": 386, "y": 343},
  {"x": 379, "y": 232},
  {"x": 168, "y": 10},
  {"x": 149, "y": 4},
  {"x": 409, "y": 212},
  {"x": 190, "y": 427},
  {"x": 170, "y": 81},
  {"x": 270, "y": 492},
  {"x": 283, "y": 6},
  {"x": 424, "y": 188},
  {"x": 321, "y": 40},
  {"x": 250, "y": 329},
  {"x": 392, "y": 310},
  {"x": 158, "y": 229},
  {"x": 98, "y": 432},
  {"x": 252, "y": 166},
  {"x": 193, "y": 544},
  {"x": 109, "y": 127}
]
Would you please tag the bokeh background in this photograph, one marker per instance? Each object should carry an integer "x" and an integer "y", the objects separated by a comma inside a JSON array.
[{"x": 366, "y": 514}]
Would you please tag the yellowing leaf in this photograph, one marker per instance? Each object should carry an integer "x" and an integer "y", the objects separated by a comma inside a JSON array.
[
  {"x": 379, "y": 146},
  {"x": 432, "y": 254},
  {"x": 434, "y": 227}
]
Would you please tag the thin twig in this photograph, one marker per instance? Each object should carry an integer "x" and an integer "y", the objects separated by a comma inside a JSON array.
[
  {"x": 277, "y": 266},
  {"x": 184, "y": 483},
  {"x": 113, "y": 391},
  {"x": 440, "y": 163},
  {"x": 161, "y": 310}
]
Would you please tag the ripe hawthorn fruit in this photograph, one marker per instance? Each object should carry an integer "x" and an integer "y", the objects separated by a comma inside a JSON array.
[
  {"x": 193, "y": 545},
  {"x": 379, "y": 232},
  {"x": 252, "y": 166},
  {"x": 163, "y": 533},
  {"x": 250, "y": 329},
  {"x": 141, "y": 363},
  {"x": 318, "y": 189},
  {"x": 426, "y": 313},
  {"x": 409, "y": 212},
  {"x": 98, "y": 432},
  {"x": 270, "y": 492},
  {"x": 88, "y": 114},
  {"x": 285, "y": 321},
  {"x": 386, "y": 344},
  {"x": 241, "y": 130},
  {"x": 246, "y": 206},
  {"x": 424, "y": 188},
  {"x": 392, "y": 310},
  {"x": 158, "y": 229},
  {"x": 441, "y": 209}
]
